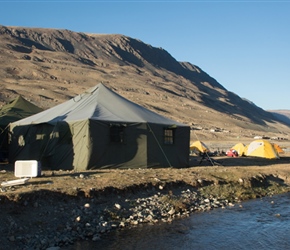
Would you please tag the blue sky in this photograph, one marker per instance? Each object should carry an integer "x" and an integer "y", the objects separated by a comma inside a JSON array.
[{"x": 244, "y": 45}]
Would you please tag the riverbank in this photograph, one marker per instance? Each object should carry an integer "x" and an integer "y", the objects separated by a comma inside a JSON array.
[{"x": 61, "y": 207}]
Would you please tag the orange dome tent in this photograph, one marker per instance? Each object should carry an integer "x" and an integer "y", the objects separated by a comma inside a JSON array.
[{"x": 278, "y": 148}]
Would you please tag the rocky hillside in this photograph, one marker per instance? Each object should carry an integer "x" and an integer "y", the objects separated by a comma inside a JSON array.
[{"x": 49, "y": 66}]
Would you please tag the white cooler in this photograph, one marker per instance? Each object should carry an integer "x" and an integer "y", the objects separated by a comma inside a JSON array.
[{"x": 30, "y": 168}]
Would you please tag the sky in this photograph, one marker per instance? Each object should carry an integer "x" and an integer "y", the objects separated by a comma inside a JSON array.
[{"x": 244, "y": 45}]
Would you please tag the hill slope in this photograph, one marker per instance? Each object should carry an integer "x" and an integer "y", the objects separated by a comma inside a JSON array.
[
  {"x": 50, "y": 66},
  {"x": 282, "y": 115}
]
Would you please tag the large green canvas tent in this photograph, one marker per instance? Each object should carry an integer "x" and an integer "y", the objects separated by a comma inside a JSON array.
[
  {"x": 17, "y": 109},
  {"x": 100, "y": 129}
]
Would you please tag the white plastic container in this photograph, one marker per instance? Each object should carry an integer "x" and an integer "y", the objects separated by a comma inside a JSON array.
[{"x": 30, "y": 168}]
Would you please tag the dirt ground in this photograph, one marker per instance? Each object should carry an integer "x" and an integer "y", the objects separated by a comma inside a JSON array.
[{"x": 218, "y": 168}]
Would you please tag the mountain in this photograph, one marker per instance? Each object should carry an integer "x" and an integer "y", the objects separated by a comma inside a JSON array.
[
  {"x": 282, "y": 114},
  {"x": 49, "y": 66}
]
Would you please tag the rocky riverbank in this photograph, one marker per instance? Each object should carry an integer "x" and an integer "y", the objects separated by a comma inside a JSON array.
[
  {"x": 59, "y": 208},
  {"x": 42, "y": 220}
]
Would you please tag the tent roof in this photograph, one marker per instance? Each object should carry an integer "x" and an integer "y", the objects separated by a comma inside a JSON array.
[
  {"x": 17, "y": 109},
  {"x": 98, "y": 103}
]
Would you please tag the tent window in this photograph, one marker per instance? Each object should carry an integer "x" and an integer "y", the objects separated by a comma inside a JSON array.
[
  {"x": 117, "y": 133},
  {"x": 169, "y": 136}
]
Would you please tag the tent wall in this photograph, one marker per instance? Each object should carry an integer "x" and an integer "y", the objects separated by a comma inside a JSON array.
[
  {"x": 3, "y": 144},
  {"x": 52, "y": 145},
  {"x": 79, "y": 146},
  {"x": 79, "y": 153},
  {"x": 131, "y": 153},
  {"x": 161, "y": 154},
  {"x": 28, "y": 142},
  {"x": 143, "y": 147},
  {"x": 87, "y": 144}
]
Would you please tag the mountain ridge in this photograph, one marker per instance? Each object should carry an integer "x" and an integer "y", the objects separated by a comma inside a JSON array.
[{"x": 50, "y": 66}]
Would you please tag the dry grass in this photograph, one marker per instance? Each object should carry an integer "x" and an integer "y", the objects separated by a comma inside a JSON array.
[{"x": 234, "y": 171}]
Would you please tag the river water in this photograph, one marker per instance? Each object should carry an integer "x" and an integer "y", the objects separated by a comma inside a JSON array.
[{"x": 257, "y": 224}]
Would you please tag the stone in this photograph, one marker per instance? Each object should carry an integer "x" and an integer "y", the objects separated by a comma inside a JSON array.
[{"x": 118, "y": 206}]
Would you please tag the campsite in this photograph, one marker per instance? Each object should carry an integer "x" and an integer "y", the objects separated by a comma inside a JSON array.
[{"x": 94, "y": 157}]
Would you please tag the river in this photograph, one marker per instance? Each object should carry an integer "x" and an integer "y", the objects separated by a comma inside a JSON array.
[{"x": 256, "y": 224}]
